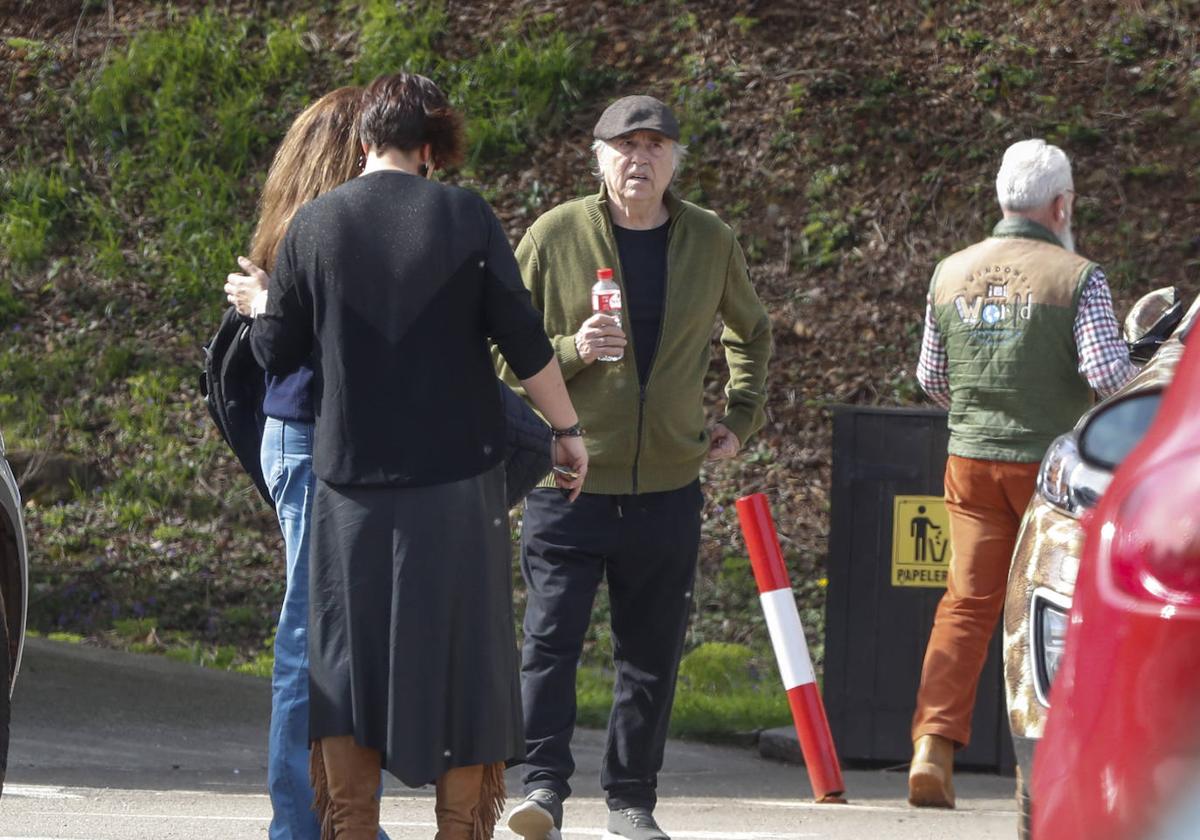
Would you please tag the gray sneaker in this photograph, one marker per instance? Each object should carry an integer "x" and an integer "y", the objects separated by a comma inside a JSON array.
[
  {"x": 538, "y": 817},
  {"x": 633, "y": 824}
]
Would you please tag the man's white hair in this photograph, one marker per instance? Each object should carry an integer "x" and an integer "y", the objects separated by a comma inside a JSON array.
[
  {"x": 678, "y": 154},
  {"x": 1032, "y": 174}
]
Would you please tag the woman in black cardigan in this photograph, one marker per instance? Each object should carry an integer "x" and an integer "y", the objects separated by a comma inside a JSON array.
[{"x": 393, "y": 285}]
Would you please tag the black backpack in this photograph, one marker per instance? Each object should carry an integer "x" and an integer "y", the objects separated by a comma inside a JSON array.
[
  {"x": 233, "y": 386},
  {"x": 527, "y": 444}
]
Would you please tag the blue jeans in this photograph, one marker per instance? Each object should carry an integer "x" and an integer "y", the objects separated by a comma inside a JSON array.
[{"x": 287, "y": 467}]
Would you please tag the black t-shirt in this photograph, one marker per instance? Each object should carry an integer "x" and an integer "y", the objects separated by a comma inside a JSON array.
[
  {"x": 643, "y": 256},
  {"x": 392, "y": 285}
]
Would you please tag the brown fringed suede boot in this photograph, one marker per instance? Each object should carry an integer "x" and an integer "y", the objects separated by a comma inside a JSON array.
[
  {"x": 930, "y": 777},
  {"x": 345, "y": 777},
  {"x": 470, "y": 801}
]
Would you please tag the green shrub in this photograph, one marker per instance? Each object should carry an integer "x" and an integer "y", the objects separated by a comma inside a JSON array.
[
  {"x": 206, "y": 219},
  {"x": 723, "y": 690},
  {"x": 191, "y": 93},
  {"x": 995, "y": 81},
  {"x": 1128, "y": 44},
  {"x": 262, "y": 665},
  {"x": 171, "y": 460},
  {"x": 522, "y": 85},
  {"x": 1150, "y": 172},
  {"x": 718, "y": 668},
  {"x": 34, "y": 204},
  {"x": 134, "y": 629},
  {"x": 971, "y": 40},
  {"x": 186, "y": 117},
  {"x": 825, "y": 235},
  {"x": 396, "y": 37},
  {"x": 35, "y": 382},
  {"x": 11, "y": 307},
  {"x": 183, "y": 116},
  {"x": 701, "y": 98},
  {"x": 521, "y": 88},
  {"x": 823, "y": 183},
  {"x": 1078, "y": 132},
  {"x": 743, "y": 23},
  {"x": 73, "y": 638}
]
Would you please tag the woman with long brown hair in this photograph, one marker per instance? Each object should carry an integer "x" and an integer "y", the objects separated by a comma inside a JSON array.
[{"x": 320, "y": 151}]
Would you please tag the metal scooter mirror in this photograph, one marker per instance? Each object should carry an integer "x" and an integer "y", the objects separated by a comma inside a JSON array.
[
  {"x": 1151, "y": 321},
  {"x": 1116, "y": 428}
]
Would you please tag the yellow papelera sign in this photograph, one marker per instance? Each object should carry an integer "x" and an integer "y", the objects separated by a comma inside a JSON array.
[{"x": 920, "y": 541}]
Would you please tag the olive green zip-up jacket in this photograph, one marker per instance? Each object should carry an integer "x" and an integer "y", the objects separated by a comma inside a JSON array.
[{"x": 649, "y": 438}]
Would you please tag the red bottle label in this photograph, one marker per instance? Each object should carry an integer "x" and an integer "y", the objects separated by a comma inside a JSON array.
[{"x": 606, "y": 301}]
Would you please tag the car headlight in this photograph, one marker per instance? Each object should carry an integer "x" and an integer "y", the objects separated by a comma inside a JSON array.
[
  {"x": 1067, "y": 481},
  {"x": 1049, "y": 628}
]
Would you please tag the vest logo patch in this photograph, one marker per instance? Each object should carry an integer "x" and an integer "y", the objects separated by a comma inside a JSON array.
[{"x": 995, "y": 317}]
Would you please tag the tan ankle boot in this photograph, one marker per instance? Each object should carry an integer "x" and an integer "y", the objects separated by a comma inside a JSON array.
[
  {"x": 345, "y": 777},
  {"x": 469, "y": 802},
  {"x": 930, "y": 783}
]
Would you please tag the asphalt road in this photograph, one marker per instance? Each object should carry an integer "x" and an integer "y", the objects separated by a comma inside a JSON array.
[{"x": 111, "y": 745}]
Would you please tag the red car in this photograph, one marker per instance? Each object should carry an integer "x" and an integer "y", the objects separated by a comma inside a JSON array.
[{"x": 1121, "y": 754}]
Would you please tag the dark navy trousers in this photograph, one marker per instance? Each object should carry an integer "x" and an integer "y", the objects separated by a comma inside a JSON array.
[{"x": 645, "y": 546}]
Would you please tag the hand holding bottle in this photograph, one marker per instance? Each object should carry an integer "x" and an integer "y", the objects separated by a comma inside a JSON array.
[{"x": 600, "y": 337}]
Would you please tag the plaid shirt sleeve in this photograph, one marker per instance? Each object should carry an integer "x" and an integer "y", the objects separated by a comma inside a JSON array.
[
  {"x": 933, "y": 368},
  {"x": 1103, "y": 354}
]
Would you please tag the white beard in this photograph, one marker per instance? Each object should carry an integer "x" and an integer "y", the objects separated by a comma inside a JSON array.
[{"x": 1066, "y": 237}]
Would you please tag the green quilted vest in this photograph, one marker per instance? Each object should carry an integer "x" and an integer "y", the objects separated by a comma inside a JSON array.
[{"x": 1006, "y": 308}]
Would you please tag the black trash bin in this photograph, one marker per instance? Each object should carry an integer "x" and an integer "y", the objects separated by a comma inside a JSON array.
[{"x": 887, "y": 559}]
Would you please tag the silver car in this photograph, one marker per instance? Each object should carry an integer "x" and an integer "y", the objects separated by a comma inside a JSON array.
[
  {"x": 14, "y": 596},
  {"x": 1041, "y": 581}
]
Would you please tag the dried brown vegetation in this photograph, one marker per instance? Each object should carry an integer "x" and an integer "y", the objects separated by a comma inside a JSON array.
[{"x": 851, "y": 144}]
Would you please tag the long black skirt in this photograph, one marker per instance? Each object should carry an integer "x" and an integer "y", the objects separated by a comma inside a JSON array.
[{"x": 412, "y": 648}]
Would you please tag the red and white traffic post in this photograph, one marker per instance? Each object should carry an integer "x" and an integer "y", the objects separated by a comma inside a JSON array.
[{"x": 791, "y": 648}]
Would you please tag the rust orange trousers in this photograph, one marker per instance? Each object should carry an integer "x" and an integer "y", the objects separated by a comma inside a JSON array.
[{"x": 985, "y": 501}]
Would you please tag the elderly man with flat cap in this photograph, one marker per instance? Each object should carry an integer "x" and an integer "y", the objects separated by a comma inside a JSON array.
[{"x": 637, "y": 522}]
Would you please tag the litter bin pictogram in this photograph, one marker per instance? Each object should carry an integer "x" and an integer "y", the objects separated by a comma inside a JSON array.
[{"x": 921, "y": 551}]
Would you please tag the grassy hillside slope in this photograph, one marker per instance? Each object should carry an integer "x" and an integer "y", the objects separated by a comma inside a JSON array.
[{"x": 851, "y": 144}]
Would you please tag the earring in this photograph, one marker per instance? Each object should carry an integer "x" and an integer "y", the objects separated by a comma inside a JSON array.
[{"x": 423, "y": 169}]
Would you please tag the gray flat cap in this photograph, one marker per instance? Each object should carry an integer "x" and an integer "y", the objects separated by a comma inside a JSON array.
[{"x": 636, "y": 113}]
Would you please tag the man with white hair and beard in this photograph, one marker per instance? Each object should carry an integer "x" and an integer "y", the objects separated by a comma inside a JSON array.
[
  {"x": 637, "y": 522},
  {"x": 1019, "y": 330}
]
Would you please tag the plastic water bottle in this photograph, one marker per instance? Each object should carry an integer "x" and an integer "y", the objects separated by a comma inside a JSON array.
[{"x": 606, "y": 300}]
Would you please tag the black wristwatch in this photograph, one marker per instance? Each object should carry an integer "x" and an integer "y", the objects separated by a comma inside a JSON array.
[{"x": 570, "y": 431}]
